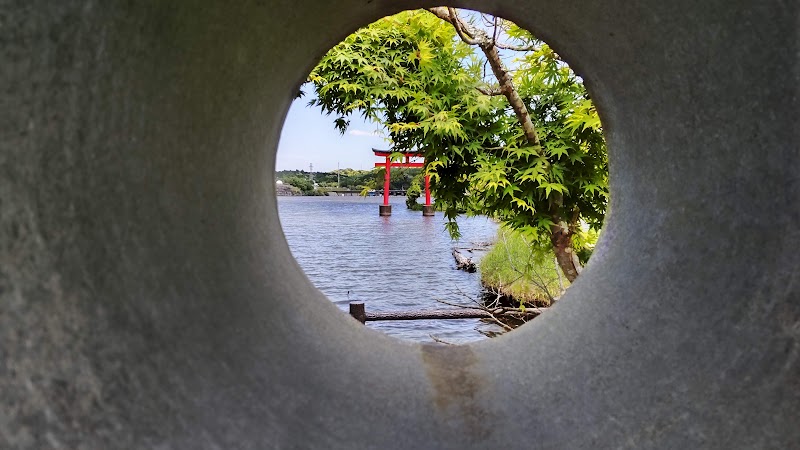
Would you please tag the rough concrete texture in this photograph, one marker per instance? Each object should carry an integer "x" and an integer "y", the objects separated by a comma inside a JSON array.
[{"x": 149, "y": 300}]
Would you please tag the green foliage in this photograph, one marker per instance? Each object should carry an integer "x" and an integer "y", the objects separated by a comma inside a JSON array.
[
  {"x": 402, "y": 178},
  {"x": 576, "y": 164},
  {"x": 413, "y": 193},
  {"x": 525, "y": 272},
  {"x": 348, "y": 179},
  {"x": 351, "y": 179},
  {"x": 584, "y": 241},
  {"x": 303, "y": 183},
  {"x": 411, "y": 73}
]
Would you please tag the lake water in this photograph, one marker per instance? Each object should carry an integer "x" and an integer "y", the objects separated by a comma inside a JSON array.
[{"x": 401, "y": 262}]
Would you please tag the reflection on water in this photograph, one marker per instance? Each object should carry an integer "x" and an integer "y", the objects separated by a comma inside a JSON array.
[{"x": 391, "y": 263}]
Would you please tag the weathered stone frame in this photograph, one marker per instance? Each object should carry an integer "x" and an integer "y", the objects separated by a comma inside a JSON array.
[{"x": 148, "y": 298}]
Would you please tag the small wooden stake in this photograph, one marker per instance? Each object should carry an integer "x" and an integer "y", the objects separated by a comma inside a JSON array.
[{"x": 358, "y": 312}]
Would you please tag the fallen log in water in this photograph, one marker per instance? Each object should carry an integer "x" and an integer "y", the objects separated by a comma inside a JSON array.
[
  {"x": 462, "y": 262},
  {"x": 358, "y": 311},
  {"x": 429, "y": 314}
]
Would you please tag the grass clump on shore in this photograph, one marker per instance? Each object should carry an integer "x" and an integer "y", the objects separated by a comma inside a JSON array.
[{"x": 524, "y": 272}]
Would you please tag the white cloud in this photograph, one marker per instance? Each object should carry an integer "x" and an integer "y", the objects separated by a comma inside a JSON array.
[{"x": 363, "y": 133}]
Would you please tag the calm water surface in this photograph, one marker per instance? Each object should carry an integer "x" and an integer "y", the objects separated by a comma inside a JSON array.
[{"x": 401, "y": 262}]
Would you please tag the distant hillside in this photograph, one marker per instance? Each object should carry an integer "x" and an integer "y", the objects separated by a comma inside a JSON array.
[{"x": 348, "y": 178}]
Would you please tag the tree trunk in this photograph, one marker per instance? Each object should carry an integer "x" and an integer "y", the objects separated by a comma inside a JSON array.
[
  {"x": 561, "y": 237},
  {"x": 561, "y": 233}
]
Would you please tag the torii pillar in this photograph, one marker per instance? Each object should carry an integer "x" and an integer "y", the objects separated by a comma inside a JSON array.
[
  {"x": 427, "y": 208},
  {"x": 386, "y": 209}
]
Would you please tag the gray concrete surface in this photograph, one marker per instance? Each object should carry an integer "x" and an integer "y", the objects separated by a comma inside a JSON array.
[{"x": 148, "y": 298}]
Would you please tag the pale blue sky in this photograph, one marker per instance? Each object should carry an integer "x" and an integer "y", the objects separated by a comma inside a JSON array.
[{"x": 309, "y": 137}]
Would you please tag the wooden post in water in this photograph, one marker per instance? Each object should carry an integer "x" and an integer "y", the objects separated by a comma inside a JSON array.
[{"x": 358, "y": 312}]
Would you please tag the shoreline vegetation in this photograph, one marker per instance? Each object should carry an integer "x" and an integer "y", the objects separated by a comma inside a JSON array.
[{"x": 516, "y": 272}]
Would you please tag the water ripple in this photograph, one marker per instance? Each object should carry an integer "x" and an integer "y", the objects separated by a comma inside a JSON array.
[{"x": 402, "y": 262}]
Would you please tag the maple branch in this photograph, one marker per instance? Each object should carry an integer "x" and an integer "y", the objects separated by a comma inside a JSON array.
[
  {"x": 494, "y": 32},
  {"x": 473, "y": 36},
  {"x": 489, "y": 91},
  {"x": 451, "y": 16},
  {"x": 516, "y": 48}
]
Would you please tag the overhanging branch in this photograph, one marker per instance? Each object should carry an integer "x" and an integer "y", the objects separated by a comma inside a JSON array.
[
  {"x": 516, "y": 48},
  {"x": 475, "y": 36},
  {"x": 451, "y": 16},
  {"x": 489, "y": 91}
]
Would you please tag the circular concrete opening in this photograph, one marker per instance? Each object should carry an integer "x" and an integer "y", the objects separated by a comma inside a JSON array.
[{"x": 412, "y": 277}]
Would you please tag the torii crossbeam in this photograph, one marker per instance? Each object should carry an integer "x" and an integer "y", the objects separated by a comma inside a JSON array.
[{"x": 386, "y": 209}]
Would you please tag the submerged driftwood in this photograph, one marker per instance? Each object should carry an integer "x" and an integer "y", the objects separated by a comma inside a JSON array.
[{"x": 463, "y": 263}]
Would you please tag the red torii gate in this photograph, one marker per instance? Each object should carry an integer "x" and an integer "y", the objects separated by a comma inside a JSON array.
[{"x": 386, "y": 209}]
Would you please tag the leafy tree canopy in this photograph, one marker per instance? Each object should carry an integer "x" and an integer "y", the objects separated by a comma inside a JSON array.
[{"x": 424, "y": 77}]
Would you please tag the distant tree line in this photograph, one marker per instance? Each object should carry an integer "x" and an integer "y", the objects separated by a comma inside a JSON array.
[{"x": 349, "y": 179}]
